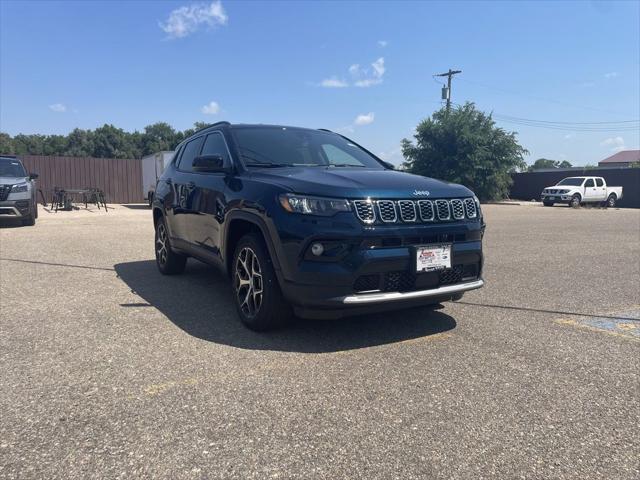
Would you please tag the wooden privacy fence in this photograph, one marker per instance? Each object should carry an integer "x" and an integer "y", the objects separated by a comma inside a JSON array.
[{"x": 120, "y": 179}]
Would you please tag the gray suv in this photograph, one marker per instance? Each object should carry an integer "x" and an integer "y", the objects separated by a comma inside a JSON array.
[{"x": 17, "y": 191}]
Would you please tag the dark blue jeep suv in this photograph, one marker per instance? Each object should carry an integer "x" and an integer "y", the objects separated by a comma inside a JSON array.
[{"x": 308, "y": 222}]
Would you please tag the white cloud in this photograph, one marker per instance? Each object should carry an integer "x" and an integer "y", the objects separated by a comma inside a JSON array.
[
  {"x": 58, "y": 107},
  {"x": 382, "y": 43},
  {"x": 616, "y": 143},
  {"x": 610, "y": 75},
  {"x": 212, "y": 108},
  {"x": 360, "y": 76},
  {"x": 186, "y": 20},
  {"x": 333, "y": 82},
  {"x": 366, "y": 77},
  {"x": 365, "y": 119}
]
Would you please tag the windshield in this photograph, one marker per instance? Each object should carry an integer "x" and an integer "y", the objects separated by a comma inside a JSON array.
[
  {"x": 297, "y": 147},
  {"x": 572, "y": 181},
  {"x": 11, "y": 167}
]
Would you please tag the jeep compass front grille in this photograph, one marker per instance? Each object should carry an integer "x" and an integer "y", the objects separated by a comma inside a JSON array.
[{"x": 415, "y": 211}]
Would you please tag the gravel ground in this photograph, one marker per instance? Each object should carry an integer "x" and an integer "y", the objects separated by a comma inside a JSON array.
[{"x": 110, "y": 370}]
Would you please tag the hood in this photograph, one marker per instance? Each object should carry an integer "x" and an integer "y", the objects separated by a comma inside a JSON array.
[
  {"x": 12, "y": 180},
  {"x": 561, "y": 187},
  {"x": 359, "y": 183}
]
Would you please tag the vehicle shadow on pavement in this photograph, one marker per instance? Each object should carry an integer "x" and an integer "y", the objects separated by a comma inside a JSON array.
[{"x": 200, "y": 303}]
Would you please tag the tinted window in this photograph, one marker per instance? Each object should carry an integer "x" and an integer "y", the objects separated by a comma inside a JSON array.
[
  {"x": 299, "y": 147},
  {"x": 176, "y": 156},
  {"x": 11, "y": 167},
  {"x": 189, "y": 152},
  {"x": 589, "y": 183},
  {"x": 572, "y": 181},
  {"x": 215, "y": 145},
  {"x": 599, "y": 182}
]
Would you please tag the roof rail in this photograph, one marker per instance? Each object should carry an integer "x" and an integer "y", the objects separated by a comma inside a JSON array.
[
  {"x": 325, "y": 130},
  {"x": 209, "y": 126}
]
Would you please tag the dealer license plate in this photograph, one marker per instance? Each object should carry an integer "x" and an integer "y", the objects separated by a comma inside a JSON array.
[{"x": 433, "y": 257}]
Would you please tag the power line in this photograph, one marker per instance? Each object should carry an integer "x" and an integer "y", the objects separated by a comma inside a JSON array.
[
  {"x": 535, "y": 97},
  {"x": 619, "y": 126}
]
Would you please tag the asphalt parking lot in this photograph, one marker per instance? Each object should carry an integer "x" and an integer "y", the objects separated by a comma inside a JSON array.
[{"x": 110, "y": 370}]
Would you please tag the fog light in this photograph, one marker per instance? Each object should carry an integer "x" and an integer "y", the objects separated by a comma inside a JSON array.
[{"x": 317, "y": 249}]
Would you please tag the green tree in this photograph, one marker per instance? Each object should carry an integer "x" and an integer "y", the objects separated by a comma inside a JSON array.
[
  {"x": 464, "y": 146},
  {"x": 111, "y": 142},
  {"x": 6, "y": 144},
  {"x": 545, "y": 163},
  {"x": 80, "y": 143},
  {"x": 158, "y": 137}
]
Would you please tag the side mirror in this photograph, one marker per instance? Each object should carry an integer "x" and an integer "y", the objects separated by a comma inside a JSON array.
[
  {"x": 389, "y": 165},
  {"x": 209, "y": 164},
  {"x": 33, "y": 176}
]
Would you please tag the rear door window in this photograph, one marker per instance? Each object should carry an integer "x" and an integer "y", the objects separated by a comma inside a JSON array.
[{"x": 599, "y": 182}]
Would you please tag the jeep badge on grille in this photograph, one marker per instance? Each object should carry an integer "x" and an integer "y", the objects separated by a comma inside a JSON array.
[{"x": 421, "y": 193}]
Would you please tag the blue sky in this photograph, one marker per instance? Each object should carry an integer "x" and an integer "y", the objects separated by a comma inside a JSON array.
[{"x": 362, "y": 68}]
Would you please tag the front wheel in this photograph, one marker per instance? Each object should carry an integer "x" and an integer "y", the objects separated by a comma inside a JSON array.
[
  {"x": 30, "y": 220},
  {"x": 575, "y": 201},
  {"x": 611, "y": 201},
  {"x": 257, "y": 294},
  {"x": 168, "y": 261}
]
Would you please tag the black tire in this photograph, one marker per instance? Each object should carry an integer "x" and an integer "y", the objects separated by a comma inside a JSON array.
[
  {"x": 30, "y": 220},
  {"x": 252, "y": 270},
  {"x": 150, "y": 198},
  {"x": 35, "y": 209},
  {"x": 611, "y": 201},
  {"x": 548, "y": 204},
  {"x": 575, "y": 201},
  {"x": 168, "y": 261}
]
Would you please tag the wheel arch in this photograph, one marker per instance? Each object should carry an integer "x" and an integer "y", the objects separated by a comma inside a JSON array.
[
  {"x": 239, "y": 224},
  {"x": 157, "y": 215}
]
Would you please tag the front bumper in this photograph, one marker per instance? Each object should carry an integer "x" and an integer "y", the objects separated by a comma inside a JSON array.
[
  {"x": 556, "y": 198},
  {"x": 15, "y": 208},
  {"x": 375, "y": 270}
]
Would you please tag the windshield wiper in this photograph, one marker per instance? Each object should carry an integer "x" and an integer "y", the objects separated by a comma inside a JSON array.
[
  {"x": 267, "y": 165},
  {"x": 346, "y": 165}
]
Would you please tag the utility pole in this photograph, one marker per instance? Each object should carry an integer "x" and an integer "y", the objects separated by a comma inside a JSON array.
[{"x": 448, "y": 74}]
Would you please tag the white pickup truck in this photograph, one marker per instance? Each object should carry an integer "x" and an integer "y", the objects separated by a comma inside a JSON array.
[{"x": 576, "y": 190}]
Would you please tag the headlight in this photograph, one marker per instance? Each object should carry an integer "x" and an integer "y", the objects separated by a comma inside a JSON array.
[
  {"x": 563, "y": 191},
  {"x": 19, "y": 188},
  {"x": 313, "y": 205},
  {"x": 478, "y": 206}
]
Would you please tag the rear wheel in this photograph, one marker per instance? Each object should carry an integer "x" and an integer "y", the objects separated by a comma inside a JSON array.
[
  {"x": 257, "y": 294},
  {"x": 168, "y": 261},
  {"x": 611, "y": 201},
  {"x": 575, "y": 201}
]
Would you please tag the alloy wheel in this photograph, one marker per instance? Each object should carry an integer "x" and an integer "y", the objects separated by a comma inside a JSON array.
[
  {"x": 248, "y": 282},
  {"x": 161, "y": 244}
]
